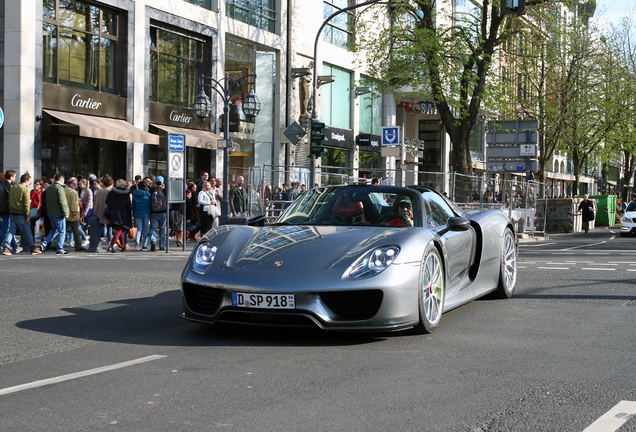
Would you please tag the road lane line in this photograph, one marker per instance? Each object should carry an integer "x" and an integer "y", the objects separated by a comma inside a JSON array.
[
  {"x": 614, "y": 418},
  {"x": 586, "y": 245},
  {"x": 597, "y": 268},
  {"x": 553, "y": 268},
  {"x": 76, "y": 375}
]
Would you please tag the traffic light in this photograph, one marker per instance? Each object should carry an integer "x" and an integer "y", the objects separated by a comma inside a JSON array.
[
  {"x": 513, "y": 7},
  {"x": 318, "y": 138}
]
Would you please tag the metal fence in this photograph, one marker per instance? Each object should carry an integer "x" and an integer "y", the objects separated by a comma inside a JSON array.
[{"x": 524, "y": 202}]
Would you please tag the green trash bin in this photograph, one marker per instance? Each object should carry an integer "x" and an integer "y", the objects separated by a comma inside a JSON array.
[{"x": 605, "y": 209}]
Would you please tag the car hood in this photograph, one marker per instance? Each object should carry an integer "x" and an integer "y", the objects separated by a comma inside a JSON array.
[
  {"x": 299, "y": 248},
  {"x": 631, "y": 214}
]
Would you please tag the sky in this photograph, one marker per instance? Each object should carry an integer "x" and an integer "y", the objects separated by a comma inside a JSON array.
[{"x": 612, "y": 10}]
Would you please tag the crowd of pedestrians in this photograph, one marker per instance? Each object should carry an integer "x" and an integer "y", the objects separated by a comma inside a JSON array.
[{"x": 61, "y": 211}]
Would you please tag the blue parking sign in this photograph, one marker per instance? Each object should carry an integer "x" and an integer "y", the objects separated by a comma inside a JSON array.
[
  {"x": 390, "y": 135},
  {"x": 176, "y": 143}
]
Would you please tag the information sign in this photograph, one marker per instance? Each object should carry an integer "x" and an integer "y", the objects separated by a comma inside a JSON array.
[{"x": 390, "y": 135}]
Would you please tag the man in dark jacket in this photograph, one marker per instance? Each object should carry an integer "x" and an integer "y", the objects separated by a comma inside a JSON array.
[
  {"x": 238, "y": 197},
  {"x": 587, "y": 209},
  {"x": 157, "y": 215},
  {"x": 5, "y": 186},
  {"x": 57, "y": 210}
]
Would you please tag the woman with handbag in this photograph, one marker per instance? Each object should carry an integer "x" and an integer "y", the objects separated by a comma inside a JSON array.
[
  {"x": 208, "y": 202},
  {"x": 36, "y": 203},
  {"x": 119, "y": 205}
]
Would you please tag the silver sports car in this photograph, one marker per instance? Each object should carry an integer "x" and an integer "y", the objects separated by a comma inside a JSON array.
[{"x": 352, "y": 258}]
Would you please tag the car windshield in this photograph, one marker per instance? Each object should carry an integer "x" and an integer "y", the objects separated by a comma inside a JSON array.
[
  {"x": 355, "y": 205},
  {"x": 631, "y": 207}
]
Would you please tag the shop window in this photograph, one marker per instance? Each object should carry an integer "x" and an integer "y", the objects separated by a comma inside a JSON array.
[
  {"x": 176, "y": 61},
  {"x": 336, "y": 98},
  {"x": 370, "y": 109},
  {"x": 81, "y": 46},
  {"x": 339, "y": 30},
  {"x": 156, "y": 160},
  {"x": 257, "y": 13}
]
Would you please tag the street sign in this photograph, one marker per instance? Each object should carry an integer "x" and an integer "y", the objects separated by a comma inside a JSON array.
[
  {"x": 519, "y": 165},
  {"x": 294, "y": 133},
  {"x": 221, "y": 144},
  {"x": 390, "y": 135},
  {"x": 529, "y": 150},
  {"x": 513, "y": 125},
  {"x": 176, "y": 143},
  {"x": 522, "y": 137},
  {"x": 175, "y": 165},
  {"x": 510, "y": 152}
]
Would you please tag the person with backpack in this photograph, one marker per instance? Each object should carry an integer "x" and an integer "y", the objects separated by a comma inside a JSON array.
[
  {"x": 141, "y": 213},
  {"x": 158, "y": 206}
]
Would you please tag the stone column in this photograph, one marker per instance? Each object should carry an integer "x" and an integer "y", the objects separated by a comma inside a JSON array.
[{"x": 20, "y": 85}]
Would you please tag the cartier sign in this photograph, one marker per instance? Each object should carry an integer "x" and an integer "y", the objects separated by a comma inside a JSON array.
[
  {"x": 82, "y": 101},
  {"x": 178, "y": 116}
]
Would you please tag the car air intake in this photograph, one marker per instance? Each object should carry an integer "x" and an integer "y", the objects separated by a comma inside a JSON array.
[
  {"x": 353, "y": 305},
  {"x": 202, "y": 299}
]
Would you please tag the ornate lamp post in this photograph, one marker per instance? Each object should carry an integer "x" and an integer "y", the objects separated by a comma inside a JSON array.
[{"x": 226, "y": 88}]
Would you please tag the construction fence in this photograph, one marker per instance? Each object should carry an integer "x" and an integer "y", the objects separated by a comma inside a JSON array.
[{"x": 524, "y": 202}]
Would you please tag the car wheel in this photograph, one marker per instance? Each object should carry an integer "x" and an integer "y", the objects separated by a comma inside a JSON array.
[
  {"x": 431, "y": 292},
  {"x": 508, "y": 266}
]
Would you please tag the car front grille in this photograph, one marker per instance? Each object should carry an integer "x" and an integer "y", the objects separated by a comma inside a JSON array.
[
  {"x": 266, "y": 318},
  {"x": 353, "y": 305},
  {"x": 202, "y": 299}
]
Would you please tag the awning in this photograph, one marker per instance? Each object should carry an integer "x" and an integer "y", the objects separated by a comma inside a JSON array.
[
  {"x": 194, "y": 137},
  {"x": 105, "y": 128}
]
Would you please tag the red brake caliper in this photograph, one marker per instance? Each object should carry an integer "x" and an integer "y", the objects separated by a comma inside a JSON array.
[{"x": 430, "y": 287}]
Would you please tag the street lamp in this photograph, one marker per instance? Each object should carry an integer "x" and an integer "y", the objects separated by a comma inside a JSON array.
[
  {"x": 324, "y": 79},
  {"x": 226, "y": 88}
]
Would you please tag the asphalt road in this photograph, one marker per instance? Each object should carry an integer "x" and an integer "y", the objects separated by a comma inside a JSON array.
[{"x": 556, "y": 357}]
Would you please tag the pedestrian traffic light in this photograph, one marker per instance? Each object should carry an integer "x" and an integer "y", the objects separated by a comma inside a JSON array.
[{"x": 318, "y": 138}]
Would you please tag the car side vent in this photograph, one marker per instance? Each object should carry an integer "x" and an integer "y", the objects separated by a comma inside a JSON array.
[
  {"x": 353, "y": 305},
  {"x": 202, "y": 299}
]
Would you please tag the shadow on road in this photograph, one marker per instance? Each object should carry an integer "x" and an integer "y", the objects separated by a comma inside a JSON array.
[{"x": 157, "y": 321}]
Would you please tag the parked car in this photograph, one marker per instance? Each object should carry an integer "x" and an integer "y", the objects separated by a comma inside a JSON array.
[{"x": 628, "y": 221}]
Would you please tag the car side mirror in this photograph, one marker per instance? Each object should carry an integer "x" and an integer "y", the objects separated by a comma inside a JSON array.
[
  {"x": 458, "y": 224},
  {"x": 257, "y": 221}
]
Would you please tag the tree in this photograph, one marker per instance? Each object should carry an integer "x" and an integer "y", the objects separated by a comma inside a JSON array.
[
  {"x": 621, "y": 40},
  {"x": 426, "y": 47}
]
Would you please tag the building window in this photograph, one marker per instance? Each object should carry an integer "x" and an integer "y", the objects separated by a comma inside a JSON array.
[
  {"x": 176, "y": 61},
  {"x": 370, "y": 109},
  {"x": 336, "y": 98},
  {"x": 81, "y": 46},
  {"x": 207, "y": 4},
  {"x": 339, "y": 30},
  {"x": 257, "y": 13}
]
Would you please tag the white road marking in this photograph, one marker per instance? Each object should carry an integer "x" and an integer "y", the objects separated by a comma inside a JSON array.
[
  {"x": 596, "y": 268},
  {"x": 537, "y": 245},
  {"x": 554, "y": 268},
  {"x": 586, "y": 245},
  {"x": 632, "y": 270},
  {"x": 614, "y": 418},
  {"x": 527, "y": 267},
  {"x": 76, "y": 375},
  {"x": 612, "y": 237}
]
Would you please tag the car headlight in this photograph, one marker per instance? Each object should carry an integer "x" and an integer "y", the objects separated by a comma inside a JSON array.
[
  {"x": 374, "y": 262},
  {"x": 625, "y": 219},
  {"x": 203, "y": 257}
]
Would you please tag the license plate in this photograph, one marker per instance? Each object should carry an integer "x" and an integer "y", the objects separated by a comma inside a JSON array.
[{"x": 263, "y": 301}]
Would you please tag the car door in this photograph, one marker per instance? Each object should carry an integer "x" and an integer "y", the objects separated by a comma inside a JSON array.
[{"x": 459, "y": 244}]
